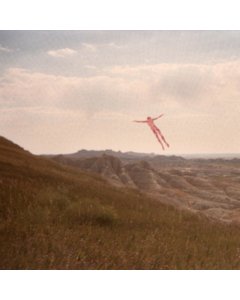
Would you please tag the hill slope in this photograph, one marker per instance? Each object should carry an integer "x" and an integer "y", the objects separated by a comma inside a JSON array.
[{"x": 56, "y": 217}]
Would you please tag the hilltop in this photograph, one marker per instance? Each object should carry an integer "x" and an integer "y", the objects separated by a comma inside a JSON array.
[{"x": 55, "y": 216}]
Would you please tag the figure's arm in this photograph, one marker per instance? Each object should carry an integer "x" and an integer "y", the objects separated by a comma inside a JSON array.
[
  {"x": 140, "y": 121},
  {"x": 158, "y": 117}
]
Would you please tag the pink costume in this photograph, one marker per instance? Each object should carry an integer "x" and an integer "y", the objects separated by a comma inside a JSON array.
[{"x": 155, "y": 129}]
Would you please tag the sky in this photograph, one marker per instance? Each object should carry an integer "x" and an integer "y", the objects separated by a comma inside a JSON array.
[{"x": 62, "y": 91}]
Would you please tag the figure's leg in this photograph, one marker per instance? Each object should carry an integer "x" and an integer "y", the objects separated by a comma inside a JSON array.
[
  {"x": 161, "y": 135},
  {"x": 156, "y": 134}
]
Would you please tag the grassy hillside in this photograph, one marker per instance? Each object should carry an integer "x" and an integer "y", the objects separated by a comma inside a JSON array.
[{"x": 55, "y": 217}]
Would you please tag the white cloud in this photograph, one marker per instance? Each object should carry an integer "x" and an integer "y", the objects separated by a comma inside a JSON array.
[
  {"x": 5, "y": 49},
  {"x": 102, "y": 46},
  {"x": 65, "y": 52},
  {"x": 91, "y": 67},
  {"x": 90, "y": 47},
  {"x": 22, "y": 88},
  {"x": 114, "y": 45},
  {"x": 186, "y": 84}
]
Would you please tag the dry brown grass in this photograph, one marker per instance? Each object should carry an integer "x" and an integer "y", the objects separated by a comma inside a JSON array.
[{"x": 54, "y": 217}]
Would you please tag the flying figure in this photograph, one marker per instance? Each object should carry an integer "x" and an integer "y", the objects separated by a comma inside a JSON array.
[{"x": 155, "y": 129}]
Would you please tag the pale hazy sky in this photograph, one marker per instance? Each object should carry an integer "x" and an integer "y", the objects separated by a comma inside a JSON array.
[{"x": 61, "y": 91}]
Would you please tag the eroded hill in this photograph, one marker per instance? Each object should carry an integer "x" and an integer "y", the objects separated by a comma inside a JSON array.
[{"x": 208, "y": 186}]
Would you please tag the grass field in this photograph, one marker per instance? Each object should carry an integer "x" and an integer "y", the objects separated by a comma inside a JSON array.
[{"x": 56, "y": 217}]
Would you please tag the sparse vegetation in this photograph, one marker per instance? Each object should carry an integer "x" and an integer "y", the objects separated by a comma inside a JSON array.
[{"x": 55, "y": 217}]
